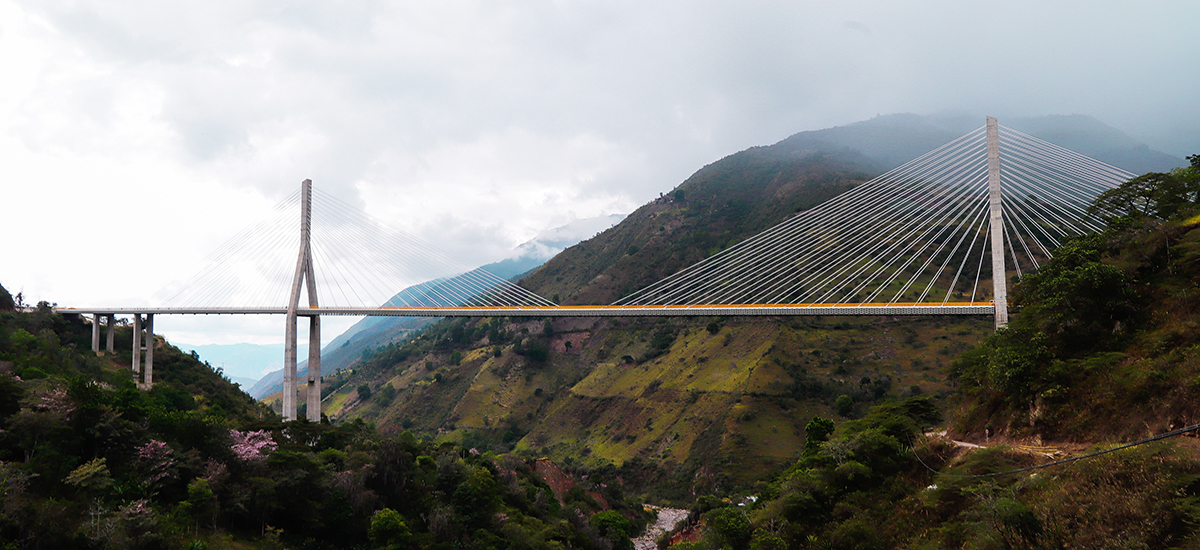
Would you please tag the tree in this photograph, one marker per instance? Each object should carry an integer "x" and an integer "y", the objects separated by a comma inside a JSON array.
[
  {"x": 730, "y": 526},
  {"x": 11, "y": 393},
  {"x": 389, "y": 530},
  {"x": 477, "y": 496},
  {"x": 816, "y": 432},
  {"x": 614, "y": 527},
  {"x": 92, "y": 477},
  {"x": 1156, "y": 194},
  {"x": 1075, "y": 298},
  {"x": 201, "y": 501},
  {"x": 844, "y": 404},
  {"x": 30, "y": 429},
  {"x": 6, "y": 300},
  {"x": 364, "y": 392}
]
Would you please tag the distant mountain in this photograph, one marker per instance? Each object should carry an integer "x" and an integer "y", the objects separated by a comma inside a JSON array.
[
  {"x": 699, "y": 402},
  {"x": 524, "y": 258},
  {"x": 749, "y": 191},
  {"x": 242, "y": 363},
  {"x": 373, "y": 332},
  {"x": 892, "y": 140}
]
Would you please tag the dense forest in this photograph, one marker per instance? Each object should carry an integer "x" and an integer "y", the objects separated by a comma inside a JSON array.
[{"x": 90, "y": 461}]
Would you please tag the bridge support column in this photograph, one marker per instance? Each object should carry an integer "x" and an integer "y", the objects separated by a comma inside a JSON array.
[
  {"x": 996, "y": 227},
  {"x": 137, "y": 348},
  {"x": 304, "y": 277},
  {"x": 96, "y": 333},
  {"x": 148, "y": 371},
  {"x": 112, "y": 323},
  {"x": 289, "y": 365},
  {"x": 314, "y": 369},
  {"x": 144, "y": 379}
]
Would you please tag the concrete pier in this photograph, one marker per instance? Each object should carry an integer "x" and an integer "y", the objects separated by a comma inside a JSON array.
[
  {"x": 96, "y": 333},
  {"x": 996, "y": 220},
  {"x": 111, "y": 322},
  {"x": 304, "y": 278},
  {"x": 143, "y": 373}
]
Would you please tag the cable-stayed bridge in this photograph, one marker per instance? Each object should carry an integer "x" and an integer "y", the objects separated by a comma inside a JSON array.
[{"x": 922, "y": 239}]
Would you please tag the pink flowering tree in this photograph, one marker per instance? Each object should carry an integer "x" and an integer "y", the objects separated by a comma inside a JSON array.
[
  {"x": 251, "y": 445},
  {"x": 156, "y": 460}
]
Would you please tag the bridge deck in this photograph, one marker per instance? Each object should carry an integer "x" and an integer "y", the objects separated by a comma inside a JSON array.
[{"x": 704, "y": 310}]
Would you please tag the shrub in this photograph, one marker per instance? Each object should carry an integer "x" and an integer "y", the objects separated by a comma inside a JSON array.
[{"x": 844, "y": 404}]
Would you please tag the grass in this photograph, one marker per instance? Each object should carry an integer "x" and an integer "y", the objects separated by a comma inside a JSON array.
[{"x": 724, "y": 401}]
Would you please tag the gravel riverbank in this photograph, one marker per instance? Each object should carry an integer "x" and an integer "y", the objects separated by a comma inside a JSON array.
[{"x": 668, "y": 518}]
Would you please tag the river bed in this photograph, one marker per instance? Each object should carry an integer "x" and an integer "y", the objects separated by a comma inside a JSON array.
[{"x": 668, "y": 518}]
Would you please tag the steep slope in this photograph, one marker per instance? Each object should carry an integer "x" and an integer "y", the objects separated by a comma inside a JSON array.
[
  {"x": 731, "y": 400},
  {"x": 749, "y": 191},
  {"x": 46, "y": 346},
  {"x": 704, "y": 402},
  {"x": 721, "y": 204},
  {"x": 1101, "y": 351},
  {"x": 693, "y": 403},
  {"x": 242, "y": 363},
  {"x": 88, "y": 460},
  {"x": 1106, "y": 342}
]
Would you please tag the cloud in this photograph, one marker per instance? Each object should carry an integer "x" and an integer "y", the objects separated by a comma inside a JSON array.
[{"x": 476, "y": 124}]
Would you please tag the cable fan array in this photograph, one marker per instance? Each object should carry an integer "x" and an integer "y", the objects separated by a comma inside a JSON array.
[
  {"x": 359, "y": 262},
  {"x": 917, "y": 234}
]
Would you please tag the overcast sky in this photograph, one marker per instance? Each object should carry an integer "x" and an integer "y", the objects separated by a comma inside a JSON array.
[{"x": 136, "y": 136}]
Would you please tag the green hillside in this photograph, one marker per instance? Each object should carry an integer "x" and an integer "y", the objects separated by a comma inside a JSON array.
[
  {"x": 732, "y": 399},
  {"x": 88, "y": 461},
  {"x": 1106, "y": 341},
  {"x": 721, "y": 205},
  {"x": 1101, "y": 351},
  {"x": 727, "y": 399}
]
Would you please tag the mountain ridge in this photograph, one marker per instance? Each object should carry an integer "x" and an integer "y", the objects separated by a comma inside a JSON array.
[{"x": 610, "y": 393}]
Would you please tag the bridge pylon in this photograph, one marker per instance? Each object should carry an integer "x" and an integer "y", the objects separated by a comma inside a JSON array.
[
  {"x": 143, "y": 372},
  {"x": 304, "y": 275},
  {"x": 110, "y": 322},
  {"x": 996, "y": 223}
]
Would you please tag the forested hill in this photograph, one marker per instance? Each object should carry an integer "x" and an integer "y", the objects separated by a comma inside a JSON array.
[
  {"x": 722, "y": 204},
  {"x": 892, "y": 140},
  {"x": 747, "y": 192},
  {"x": 1103, "y": 349},
  {"x": 691, "y": 404},
  {"x": 1105, "y": 342},
  {"x": 683, "y": 405},
  {"x": 89, "y": 461}
]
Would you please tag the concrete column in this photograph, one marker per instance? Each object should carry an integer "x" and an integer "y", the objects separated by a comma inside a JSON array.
[
  {"x": 314, "y": 369},
  {"x": 289, "y": 365},
  {"x": 112, "y": 323},
  {"x": 137, "y": 347},
  {"x": 96, "y": 333},
  {"x": 996, "y": 227},
  {"x": 148, "y": 375},
  {"x": 303, "y": 269}
]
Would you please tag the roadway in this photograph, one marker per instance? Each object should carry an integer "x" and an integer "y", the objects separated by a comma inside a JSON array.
[{"x": 703, "y": 310}]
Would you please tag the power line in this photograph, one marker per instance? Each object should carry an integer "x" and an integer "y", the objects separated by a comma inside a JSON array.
[{"x": 1152, "y": 439}]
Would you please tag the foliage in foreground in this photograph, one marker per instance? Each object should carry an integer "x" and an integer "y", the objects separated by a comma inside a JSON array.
[
  {"x": 867, "y": 488},
  {"x": 89, "y": 461},
  {"x": 1106, "y": 330}
]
